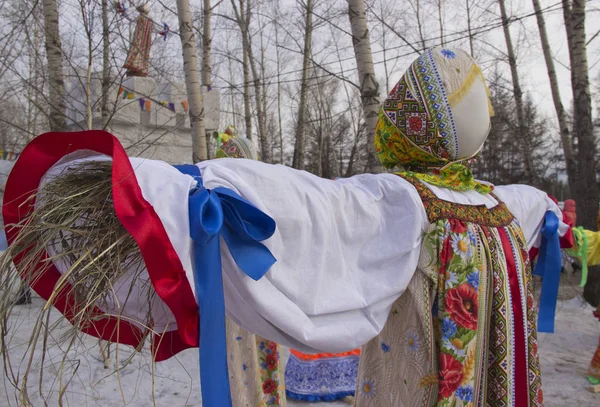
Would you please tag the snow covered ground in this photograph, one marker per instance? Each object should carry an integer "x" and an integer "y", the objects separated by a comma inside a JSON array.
[{"x": 565, "y": 356}]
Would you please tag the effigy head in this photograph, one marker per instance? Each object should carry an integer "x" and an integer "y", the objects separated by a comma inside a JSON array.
[
  {"x": 437, "y": 114},
  {"x": 144, "y": 8},
  {"x": 233, "y": 146},
  {"x": 570, "y": 205}
]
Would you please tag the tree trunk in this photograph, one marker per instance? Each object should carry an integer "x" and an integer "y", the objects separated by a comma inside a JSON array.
[
  {"x": 56, "y": 84},
  {"x": 470, "y": 29},
  {"x": 243, "y": 15},
  {"x": 334, "y": 169},
  {"x": 32, "y": 93},
  {"x": 265, "y": 151},
  {"x": 591, "y": 292},
  {"x": 242, "y": 22},
  {"x": 88, "y": 78},
  {"x": 233, "y": 106},
  {"x": 298, "y": 161},
  {"x": 206, "y": 49},
  {"x": 206, "y": 44},
  {"x": 441, "y": 21},
  {"x": 105, "y": 63},
  {"x": 522, "y": 128},
  {"x": 417, "y": 8},
  {"x": 247, "y": 101},
  {"x": 263, "y": 81},
  {"x": 586, "y": 187},
  {"x": 279, "y": 118},
  {"x": 563, "y": 124},
  {"x": 192, "y": 81},
  {"x": 353, "y": 153},
  {"x": 369, "y": 88}
]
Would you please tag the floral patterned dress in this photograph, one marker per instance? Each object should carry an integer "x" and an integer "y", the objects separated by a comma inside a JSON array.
[
  {"x": 255, "y": 372},
  {"x": 464, "y": 332},
  {"x": 322, "y": 376}
]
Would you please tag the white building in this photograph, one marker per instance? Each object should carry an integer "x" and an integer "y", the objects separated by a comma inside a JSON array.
[{"x": 149, "y": 119}]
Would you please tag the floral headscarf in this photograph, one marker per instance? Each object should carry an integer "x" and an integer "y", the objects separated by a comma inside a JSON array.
[
  {"x": 423, "y": 127},
  {"x": 233, "y": 146}
]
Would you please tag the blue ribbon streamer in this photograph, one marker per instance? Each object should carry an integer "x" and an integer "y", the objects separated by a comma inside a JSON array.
[
  {"x": 214, "y": 214},
  {"x": 548, "y": 267}
]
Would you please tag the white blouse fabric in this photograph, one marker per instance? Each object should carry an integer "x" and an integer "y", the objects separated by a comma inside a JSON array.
[{"x": 345, "y": 249}]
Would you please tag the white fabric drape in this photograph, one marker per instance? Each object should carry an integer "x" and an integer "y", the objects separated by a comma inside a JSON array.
[{"x": 345, "y": 249}]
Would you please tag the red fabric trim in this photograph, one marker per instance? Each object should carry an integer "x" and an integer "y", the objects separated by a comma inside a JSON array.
[
  {"x": 306, "y": 356},
  {"x": 533, "y": 253},
  {"x": 135, "y": 214},
  {"x": 521, "y": 377},
  {"x": 567, "y": 241}
]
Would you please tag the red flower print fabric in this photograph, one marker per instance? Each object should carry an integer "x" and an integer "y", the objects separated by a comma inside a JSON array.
[{"x": 461, "y": 304}]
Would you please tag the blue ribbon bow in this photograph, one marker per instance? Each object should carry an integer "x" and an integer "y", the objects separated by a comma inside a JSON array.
[
  {"x": 214, "y": 214},
  {"x": 548, "y": 267}
]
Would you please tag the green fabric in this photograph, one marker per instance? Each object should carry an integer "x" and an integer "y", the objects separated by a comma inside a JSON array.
[
  {"x": 456, "y": 176},
  {"x": 581, "y": 251}
]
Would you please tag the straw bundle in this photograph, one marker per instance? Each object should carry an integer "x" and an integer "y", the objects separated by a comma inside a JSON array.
[{"x": 74, "y": 221}]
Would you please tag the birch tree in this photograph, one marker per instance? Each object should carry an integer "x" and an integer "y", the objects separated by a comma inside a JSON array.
[
  {"x": 56, "y": 84},
  {"x": 369, "y": 87},
  {"x": 105, "y": 63},
  {"x": 278, "y": 62},
  {"x": 242, "y": 20},
  {"x": 192, "y": 81},
  {"x": 258, "y": 97},
  {"x": 87, "y": 19},
  {"x": 440, "y": 7},
  {"x": 206, "y": 50},
  {"x": 518, "y": 94},
  {"x": 260, "y": 89},
  {"x": 561, "y": 114},
  {"x": 585, "y": 188},
  {"x": 298, "y": 161},
  {"x": 469, "y": 27},
  {"x": 243, "y": 15}
]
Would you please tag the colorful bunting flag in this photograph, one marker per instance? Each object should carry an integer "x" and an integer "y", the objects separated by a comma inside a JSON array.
[
  {"x": 9, "y": 155},
  {"x": 146, "y": 104},
  {"x": 127, "y": 94}
]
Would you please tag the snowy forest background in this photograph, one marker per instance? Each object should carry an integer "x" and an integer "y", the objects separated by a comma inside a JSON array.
[
  {"x": 288, "y": 77},
  {"x": 270, "y": 77}
]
